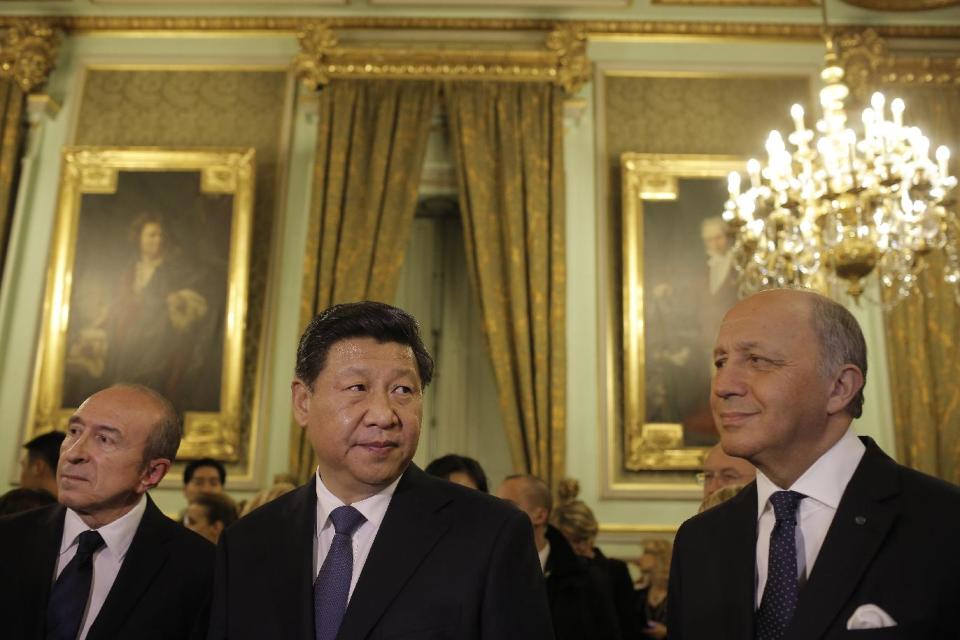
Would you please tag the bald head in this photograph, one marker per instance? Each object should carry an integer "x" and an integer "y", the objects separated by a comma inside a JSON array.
[
  {"x": 788, "y": 381},
  {"x": 721, "y": 470}
]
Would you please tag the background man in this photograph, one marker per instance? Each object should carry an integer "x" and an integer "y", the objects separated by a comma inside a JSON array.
[
  {"x": 721, "y": 470},
  {"x": 209, "y": 514},
  {"x": 388, "y": 550},
  {"x": 580, "y": 602},
  {"x": 203, "y": 476},
  {"x": 105, "y": 562},
  {"x": 833, "y": 535},
  {"x": 38, "y": 462}
]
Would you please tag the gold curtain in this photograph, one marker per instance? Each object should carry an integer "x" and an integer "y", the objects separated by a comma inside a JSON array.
[
  {"x": 11, "y": 140},
  {"x": 371, "y": 141},
  {"x": 507, "y": 141},
  {"x": 923, "y": 331}
]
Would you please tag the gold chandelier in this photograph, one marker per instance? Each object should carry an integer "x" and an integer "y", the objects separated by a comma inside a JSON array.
[{"x": 838, "y": 205}]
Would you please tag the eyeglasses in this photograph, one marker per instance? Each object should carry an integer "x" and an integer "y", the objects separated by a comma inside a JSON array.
[{"x": 728, "y": 475}]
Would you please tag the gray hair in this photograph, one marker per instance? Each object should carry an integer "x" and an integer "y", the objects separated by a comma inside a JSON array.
[
  {"x": 841, "y": 343},
  {"x": 164, "y": 438}
]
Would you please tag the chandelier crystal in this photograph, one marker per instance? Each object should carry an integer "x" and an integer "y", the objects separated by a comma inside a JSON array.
[{"x": 840, "y": 205}]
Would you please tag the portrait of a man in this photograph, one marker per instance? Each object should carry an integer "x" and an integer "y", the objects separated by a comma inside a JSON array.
[{"x": 689, "y": 282}]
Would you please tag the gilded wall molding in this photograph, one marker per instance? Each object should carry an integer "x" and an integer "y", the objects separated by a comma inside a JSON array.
[
  {"x": 595, "y": 29},
  {"x": 28, "y": 52},
  {"x": 869, "y": 63},
  {"x": 558, "y": 57},
  {"x": 903, "y": 5}
]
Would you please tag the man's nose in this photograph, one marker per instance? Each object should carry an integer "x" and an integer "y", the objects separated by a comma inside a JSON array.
[
  {"x": 728, "y": 381},
  {"x": 78, "y": 450},
  {"x": 380, "y": 410}
]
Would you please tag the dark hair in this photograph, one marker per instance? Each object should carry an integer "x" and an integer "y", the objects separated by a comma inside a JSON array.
[
  {"x": 46, "y": 447},
  {"x": 382, "y": 322},
  {"x": 19, "y": 500},
  {"x": 219, "y": 508},
  {"x": 193, "y": 465},
  {"x": 451, "y": 463}
]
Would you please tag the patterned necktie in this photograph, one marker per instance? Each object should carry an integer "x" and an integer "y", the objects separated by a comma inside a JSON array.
[
  {"x": 68, "y": 597},
  {"x": 332, "y": 586},
  {"x": 780, "y": 594}
]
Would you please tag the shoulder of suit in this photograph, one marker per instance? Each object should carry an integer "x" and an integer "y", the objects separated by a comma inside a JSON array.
[
  {"x": 930, "y": 490},
  {"x": 29, "y": 519},
  {"x": 279, "y": 509},
  {"x": 468, "y": 499}
]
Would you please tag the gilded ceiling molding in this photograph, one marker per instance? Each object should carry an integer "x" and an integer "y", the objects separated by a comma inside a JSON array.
[
  {"x": 559, "y": 58},
  {"x": 604, "y": 29},
  {"x": 28, "y": 52},
  {"x": 902, "y": 5},
  {"x": 869, "y": 63}
]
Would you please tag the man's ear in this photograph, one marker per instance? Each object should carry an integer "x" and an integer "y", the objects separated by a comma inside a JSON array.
[
  {"x": 301, "y": 396},
  {"x": 845, "y": 386},
  {"x": 153, "y": 474},
  {"x": 540, "y": 516}
]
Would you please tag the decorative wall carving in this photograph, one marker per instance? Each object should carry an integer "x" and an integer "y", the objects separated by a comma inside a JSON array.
[
  {"x": 869, "y": 63},
  {"x": 28, "y": 52},
  {"x": 903, "y": 5},
  {"x": 559, "y": 58}
]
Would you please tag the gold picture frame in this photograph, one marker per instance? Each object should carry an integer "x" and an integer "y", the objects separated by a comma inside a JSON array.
[
  {"x": 652, "y": 453},
  {"x": 147, "y": 283}
]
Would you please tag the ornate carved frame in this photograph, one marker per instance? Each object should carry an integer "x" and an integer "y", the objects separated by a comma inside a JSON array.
[{"x": 95, "y": 170}]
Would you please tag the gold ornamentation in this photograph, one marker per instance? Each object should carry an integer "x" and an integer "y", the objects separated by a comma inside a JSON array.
[
  {"x": 595, "y": 29},
  {"x": 569, "y": 42},
  {"x": 317, "y": 41},
  {"x": 28, "y": 52},
  {"x": 739, "y": 3},
  {"x": 868, "y": 63},
  {"x": 94, "y": 170},
  {"x": 903, "y": 5}
]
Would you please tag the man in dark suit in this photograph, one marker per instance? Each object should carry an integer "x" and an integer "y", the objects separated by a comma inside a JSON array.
[
  {"x": 105, "y": 563},
  {"x": 834, "y": 539},
  {"x": 372, "y": 547}
]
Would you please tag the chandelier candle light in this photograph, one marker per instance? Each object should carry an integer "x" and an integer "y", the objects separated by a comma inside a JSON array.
[{"x": 838, "y": 205}]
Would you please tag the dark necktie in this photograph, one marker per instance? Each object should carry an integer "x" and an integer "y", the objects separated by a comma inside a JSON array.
[
  {"x": 68, "y": 597},
  {"x": 780, "y": 594},
  {"x": 332, "y": 586}
]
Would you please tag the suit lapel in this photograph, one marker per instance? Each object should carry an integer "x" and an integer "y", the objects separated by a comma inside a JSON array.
[
  {"x": 740, "y": 570},
  {"x": 410, "y": 529},
  {"x": 293, "y": 599},
  {"x": 862, "y": 522},
  {"x": 145, "y": 558}
]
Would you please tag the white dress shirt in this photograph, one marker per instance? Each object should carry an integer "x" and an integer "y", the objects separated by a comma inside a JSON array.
[
  {"x": 544, "y": 556},
  {"x": 117, "y": 537},
  {"x": 372, "y": 508},
  {"x": 823, "y": 484}
]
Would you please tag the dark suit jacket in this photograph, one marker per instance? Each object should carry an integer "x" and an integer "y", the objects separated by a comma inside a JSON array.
[
  {"x": 447, "y": 562},
  {"x": 622, "y": 593},
  {"x": 580, "y": 600},
  {"x": 892, "y": 543},
  {"x": 163, "y": 588}
]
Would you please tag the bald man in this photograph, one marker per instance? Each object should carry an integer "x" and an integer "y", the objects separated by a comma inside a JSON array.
[
  {"x": 105, "y": 563},
  {"x": 834, "y": 539},
  {"x": 721, "y": 470}
]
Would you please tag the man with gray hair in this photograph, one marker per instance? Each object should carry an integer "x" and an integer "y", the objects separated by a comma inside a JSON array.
[
  {"x": 105, "y": 562},
  {"x": 833, "y": 536}
]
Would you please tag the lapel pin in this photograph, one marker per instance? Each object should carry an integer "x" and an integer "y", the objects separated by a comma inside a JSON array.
[{"x": 860, "y": 520}]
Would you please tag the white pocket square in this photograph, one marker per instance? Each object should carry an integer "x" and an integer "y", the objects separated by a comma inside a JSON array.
[{"x": 870, "y": 616}]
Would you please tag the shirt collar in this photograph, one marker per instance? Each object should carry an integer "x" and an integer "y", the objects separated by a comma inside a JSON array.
[
  {"x": 826, "y": 479},
  {"x": 373, "y": 508},
  {"x": 117, "y": 535}
]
